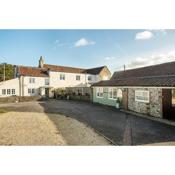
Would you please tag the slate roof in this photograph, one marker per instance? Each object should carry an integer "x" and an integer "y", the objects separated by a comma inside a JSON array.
[
  {"x": 157, "y": 75},
  {"x": 95, "y": 71},
  {"x": 149, "y": 71}
]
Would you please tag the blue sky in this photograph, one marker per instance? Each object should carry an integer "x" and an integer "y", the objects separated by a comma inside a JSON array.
[{"x": 88, "y": 48}]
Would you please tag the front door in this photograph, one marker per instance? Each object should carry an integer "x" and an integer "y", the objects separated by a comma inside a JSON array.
[
  {"x": 47, "y": 92},
  {"x": 125, "y": 99},
  {"x": 167, "y": 105}
]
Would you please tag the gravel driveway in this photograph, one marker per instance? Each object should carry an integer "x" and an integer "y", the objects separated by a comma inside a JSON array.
[
  {"x": 24, "y": 128},
  {"x": 120, "y": 128},
  {"x": 31, "y": 128}
]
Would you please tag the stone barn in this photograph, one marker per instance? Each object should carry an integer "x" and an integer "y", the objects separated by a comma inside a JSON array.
[{"x": 147, "y": 90}]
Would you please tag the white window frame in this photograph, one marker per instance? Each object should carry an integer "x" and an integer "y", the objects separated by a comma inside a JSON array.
[
  {"x": 62, "y": 76},
  {"x": 4, "y": 92},
  {"x": 47, "y": 81},
  {"x": 31, "y": 80},
  {"x": 29, "y": 90},
  {"x": 79, "y": 77},
  {"x": 89, "y": 78},
  {"x": 8, "y": 91},
  {"x": 110, "y": 89},
  {"x": 113, "y": 93},
  {"x": 13, "y": 91},
  {"x": 142, "y": 94},
  {"x": 99, "y": 92},
  {"x": 33, "y": 91}
]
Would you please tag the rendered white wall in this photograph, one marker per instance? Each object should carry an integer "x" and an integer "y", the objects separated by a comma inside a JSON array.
[
  {"x": 70, "y": 80},
  {"x": 39, "y": 82},
  {"x": 55, "y": 82},
  {"x": 95, "y": 78},
  {"x": 10, "y": 84}
]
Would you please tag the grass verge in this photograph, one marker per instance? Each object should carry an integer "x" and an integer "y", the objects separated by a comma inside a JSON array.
[{"x": 3, "y": 111}]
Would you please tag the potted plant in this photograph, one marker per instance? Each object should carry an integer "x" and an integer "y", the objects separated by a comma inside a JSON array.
[{"x": 118, "y": 103}]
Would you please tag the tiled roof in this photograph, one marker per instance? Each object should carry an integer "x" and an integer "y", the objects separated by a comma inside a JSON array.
[
  {"x": 64, "y": 69},
  {"x": 43, "y": 72},
  {"x": 93, "y": 71},
  {"x": 157, "y": 75},
  {"x": 32, "y": 71}
]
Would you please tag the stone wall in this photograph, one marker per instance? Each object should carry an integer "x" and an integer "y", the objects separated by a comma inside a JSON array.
[{"x": 153, "y": 108}]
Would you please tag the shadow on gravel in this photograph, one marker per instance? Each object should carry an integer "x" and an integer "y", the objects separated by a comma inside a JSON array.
[{"x": 118, "y": 127}]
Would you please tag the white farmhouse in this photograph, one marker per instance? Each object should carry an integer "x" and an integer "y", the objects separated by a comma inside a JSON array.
[{"x": 42, "y": 80}]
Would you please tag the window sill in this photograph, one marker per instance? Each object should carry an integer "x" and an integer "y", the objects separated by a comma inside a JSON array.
[
  {"x": 112, "y": 98},
  {"x": 99, "y": 97}
]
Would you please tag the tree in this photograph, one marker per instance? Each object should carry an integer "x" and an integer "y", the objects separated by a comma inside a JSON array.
[{"x": 9, "y": 72}]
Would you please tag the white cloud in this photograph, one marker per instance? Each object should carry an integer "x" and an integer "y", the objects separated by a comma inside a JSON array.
[
  {"x": 83, "y": 42},
  {"x": 159, "y": 31},
  {"x": 109, "y": 58},
  {"x": 57, "y": 44},
  {"x": 144, "y": 35},
  {"x": 152, "y": 60},
  {"x": 163, "y": 31}
]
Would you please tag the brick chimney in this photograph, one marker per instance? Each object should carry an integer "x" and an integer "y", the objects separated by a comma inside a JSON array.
[{"x": 41, "y": 62}]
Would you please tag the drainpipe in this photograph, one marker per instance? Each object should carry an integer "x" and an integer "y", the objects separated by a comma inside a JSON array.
[
  {"x": 22, "y": 85},
  {"x": 85, "y": 78},
  {"x": 19, "y": 86}
]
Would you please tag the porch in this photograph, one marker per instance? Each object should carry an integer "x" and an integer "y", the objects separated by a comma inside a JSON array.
[{"x": 46, "y": 91}]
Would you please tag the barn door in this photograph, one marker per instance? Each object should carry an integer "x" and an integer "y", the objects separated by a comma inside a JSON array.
[
  {"x": 125, "y": 99},
  {"x": 167, "y": 103}
]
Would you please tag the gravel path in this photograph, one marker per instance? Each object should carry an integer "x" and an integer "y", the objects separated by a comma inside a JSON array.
[
  {"x": 31, "y": 128},
  {"x": 77, "y": 133}
]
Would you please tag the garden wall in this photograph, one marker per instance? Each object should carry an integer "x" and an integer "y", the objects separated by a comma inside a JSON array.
[{"x": 14, "y": 99}]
